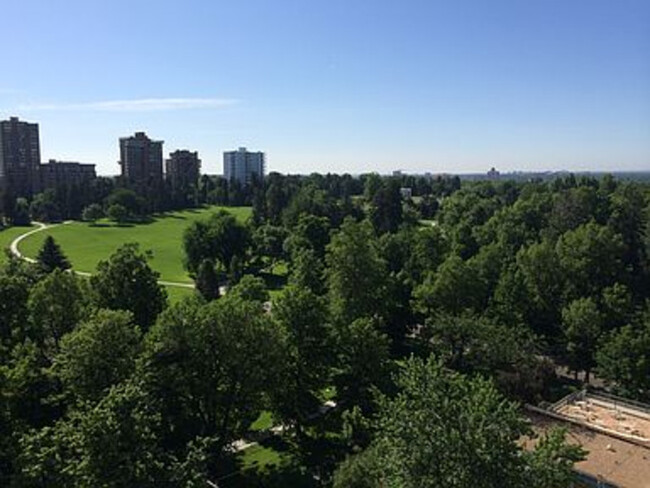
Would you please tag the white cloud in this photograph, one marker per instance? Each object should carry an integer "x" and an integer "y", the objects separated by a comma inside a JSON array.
[{"x": 140, "y": 105}]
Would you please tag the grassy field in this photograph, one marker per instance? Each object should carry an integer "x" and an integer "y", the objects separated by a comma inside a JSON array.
[
  {"x": 85, "y": 245},
  {"x": 8, "y": 235}
]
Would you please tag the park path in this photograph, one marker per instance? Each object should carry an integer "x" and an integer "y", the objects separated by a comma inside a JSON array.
[{"x": 40, "y": 226}]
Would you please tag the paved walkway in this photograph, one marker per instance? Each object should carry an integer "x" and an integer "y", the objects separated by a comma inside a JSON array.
[{"x": 40, "y": 226}]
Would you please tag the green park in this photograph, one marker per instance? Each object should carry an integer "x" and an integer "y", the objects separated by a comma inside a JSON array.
[{"x": 86, "y": 244}]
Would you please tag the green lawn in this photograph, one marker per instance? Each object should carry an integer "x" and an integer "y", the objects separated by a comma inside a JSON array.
[
  {"x": 8, "y": 235},
  {"x": 85, "y": 245},
  {"x": 176, "y": 293}
]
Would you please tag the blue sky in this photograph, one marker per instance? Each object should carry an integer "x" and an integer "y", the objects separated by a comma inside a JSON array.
[{"x": 356, "y": 85}]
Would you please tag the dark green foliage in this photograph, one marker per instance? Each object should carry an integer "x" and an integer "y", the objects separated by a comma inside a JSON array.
[
  {"x": 583, "y": 325},
  {"x": 126, "y": 282},
  {"x": 56, "y": 305},
  {"x": 445, "y": 430},
  {"x": 211, "y": 366},
  {"x": 386, "y": 207},
  {"x": 44, "y": 207},
  {"x": 51, "y": 257},
  {"x": 88, "y": 363},
  {"x": 363, "y": 364},
  {"x": 93, "y": 212},
  {"x": 250, "y": 288},
  {"x": 303, "y": 317},
  {"x": 220, "y": 237},
  {"x": 20, "y": 213},
  {"x": 207, "y": 281},
  {"x": 307, "y": 271},
  {"x": 130, "y": 202},
  {"x": 623, "y": 359},
  {"x": 357, "y": 275},
  {"x": 117, "y": 213}
]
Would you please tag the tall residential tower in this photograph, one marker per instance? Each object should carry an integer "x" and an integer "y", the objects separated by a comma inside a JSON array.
[
  {"x": 141, "y": 160},
  {"x": 243, "y": 166},
  {"x": 182, "y": 169},
  {"x": 20, "y": 157}
]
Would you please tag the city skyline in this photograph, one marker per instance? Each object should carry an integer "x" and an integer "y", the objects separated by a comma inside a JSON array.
[{"x": 421, "y": 87}]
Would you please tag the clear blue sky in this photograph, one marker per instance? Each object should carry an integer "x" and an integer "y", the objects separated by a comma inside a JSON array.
[{"x": 337, "y": 85}]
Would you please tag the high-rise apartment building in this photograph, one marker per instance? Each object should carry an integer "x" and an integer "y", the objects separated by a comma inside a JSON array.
[
  {"x": 141, "y": 160},
  {"x": 64, "y": 173},
  {"x": 20, "y": 156},
  {"x": 243, "y": 166},
  {"x": 182, "y": 168}
]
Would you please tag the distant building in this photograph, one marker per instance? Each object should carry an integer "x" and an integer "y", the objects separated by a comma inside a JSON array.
[
  {"x": 182, "y": 169},
  {"x": 493, "y": 174},
  {"x": 397, "y": 173},
  {"x": 243, "y": 166},
  {"x": 20, "y": 156},
  {"x": 60, "y": 173},
  {"x": 406, "y": 192},
  {"x": 141, "y": 160}
]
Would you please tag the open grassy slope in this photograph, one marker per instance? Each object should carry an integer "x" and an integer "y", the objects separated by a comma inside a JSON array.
[
  {"x": 85, "y": 245},
  {"x": 8, "y": 235}
]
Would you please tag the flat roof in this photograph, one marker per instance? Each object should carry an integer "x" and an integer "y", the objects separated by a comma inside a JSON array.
[{"x": 609, "y": 459}]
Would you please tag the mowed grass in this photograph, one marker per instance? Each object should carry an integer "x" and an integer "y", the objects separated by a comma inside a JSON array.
[
  {"x": 8, "y": 235},
  {"x": 85, "y": 245}
]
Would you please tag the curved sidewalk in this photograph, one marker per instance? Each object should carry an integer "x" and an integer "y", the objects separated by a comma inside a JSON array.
[{"x": 13, "y": 247}]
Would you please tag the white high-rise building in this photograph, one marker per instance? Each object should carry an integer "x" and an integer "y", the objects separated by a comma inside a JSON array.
[{"x": 243, "y": 166}]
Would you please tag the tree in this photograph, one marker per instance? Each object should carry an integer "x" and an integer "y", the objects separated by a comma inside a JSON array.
[
  {"x": 93, "y": 212},
  {"x": 307, "y": 271},
  {"x": 357, "y": 275},
  {"x": 14, "y": 293},
  {"x": 88, "y": 364},
  {"x": 211, "y": 366},
  {"x": 582, "y": 323},
  {"x": 220, "y": 237},
  {"x": 51, "y": 257},
  {"x": 386, "y": 210},
  {"x": 56, "y": 305},
  {"x": 538, "y": 269},
  {"x": 446, "y": 430},
  {"x": 363, "y": 363},
  {"x": 454, "y": 288},
  {"x": 623, "y": 359},
  {"x": 44, "y": 207},
  {"x": 21, "y": 212},
  {"x": 591, "y": 257},
  {"x": 311, "y": 232},
  {"x": 268, "y": 241},
  {"x": 130, "y": 201},
  {"x": 114, "y": 443},
  {"x": 207, "y": 282},
  {"x": 252, "y": 289},
  {"x": 118, "y": 213},
  {"x": 126, "y": 282},
  {"x": 303, "y": 317}
]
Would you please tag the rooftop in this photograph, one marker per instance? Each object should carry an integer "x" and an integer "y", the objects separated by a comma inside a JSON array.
[{"x": 614, "y": 431}]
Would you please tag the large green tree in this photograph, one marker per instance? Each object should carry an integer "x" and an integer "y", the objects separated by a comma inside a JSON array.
[
  {"x": 357, "y": 275},
  {"x": 623, "y": 359},
  {"x": 126, "y": 282},
  {"x": 583, "y": 325},
  {"x": 211, "y": 367},
  {"x": 303, "y": 317},
  {"x": 445, "y": 430},
  {"x": 56, "y": 305},
  {"x": 51, "y": 257},
  {"x": 220, "y": 237},
  {"x": 98, "y": 354}
]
